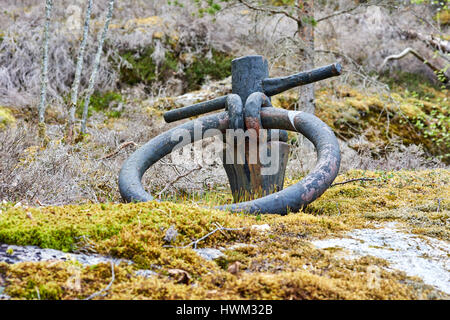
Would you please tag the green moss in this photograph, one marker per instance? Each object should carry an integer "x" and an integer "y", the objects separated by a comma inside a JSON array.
[
  {"x": 413, "y": 82},
  {"x": 414, "y": 117},
  {"x": 277, "y": 264},
  {"x": 443, "y": 17},
  {"x": 217, "y": 68},
  {"x": 142, "y": 68},
  {"x": 6, "y": 118},
  {"x": 100, "y": 102},
  {"x": 133, "y": 231}
]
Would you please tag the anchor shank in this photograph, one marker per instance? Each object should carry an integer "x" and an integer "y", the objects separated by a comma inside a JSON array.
[{"x": 273, "y": 86}]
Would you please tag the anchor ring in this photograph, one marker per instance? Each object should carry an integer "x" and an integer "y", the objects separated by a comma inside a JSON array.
[{"x": 290, "y": 199}]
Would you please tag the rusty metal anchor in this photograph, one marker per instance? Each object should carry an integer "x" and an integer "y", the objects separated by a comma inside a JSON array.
[{"x": 248, "y": 108}]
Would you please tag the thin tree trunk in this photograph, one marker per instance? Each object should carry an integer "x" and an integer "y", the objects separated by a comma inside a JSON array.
[
  {"x": 96, "y": 66},
  {"x": 44, "y": 66},
  {"x": 306, "y": 34},
  {"x": 79, "y": 68}
]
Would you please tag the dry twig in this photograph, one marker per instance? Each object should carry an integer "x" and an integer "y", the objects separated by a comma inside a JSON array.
[
  {"x": 352, "y": 180},
  {"x": 177, "y": 179},
  {"x": 100, "y": 293},
  {"x": 220, "y": 228},
  {"x": 120, "y": 147}
]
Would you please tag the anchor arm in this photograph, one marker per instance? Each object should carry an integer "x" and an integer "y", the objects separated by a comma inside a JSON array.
[
  {"x": 273, "y": 86},
  {"x": 195, "y": 109}
]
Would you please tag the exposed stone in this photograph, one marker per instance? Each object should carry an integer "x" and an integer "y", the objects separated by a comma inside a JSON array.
[
  {"x": 15, "y": 254},
  {"x": 145, "y": 273},
  {"x": 171, "y": 234},
  {"x": 421, "y": 256},
  {"x": 208, "y": 91},
  {"x": 261, "y": 227},
  {"x": 209, "y": 253}
]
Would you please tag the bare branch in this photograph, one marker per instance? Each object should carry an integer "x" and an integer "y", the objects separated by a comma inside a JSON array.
[
  {"x": 417, "y": 55},
  {"x": 120, "y": 147},
  {"x": 430, "y": 40},
  {"x": 421, "y": 18},
  {"x": 78, "y": 70},
  {"x": 44, "y": 67},
  {"x": 270, "y": 9},
  {"x": 341, "y": 12},
  {"x": 352, "y": 180},
  {"x": 177, "y": 179},
  {"x": 96, "y": 65},
  {"x": 100, "y": 293},
  {"x": 220, "y": 228}
]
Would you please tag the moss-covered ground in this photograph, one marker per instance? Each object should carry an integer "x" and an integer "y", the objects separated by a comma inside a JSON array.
[
  {"x": 416, "y": 113},
  {"x": 279, "y": 263}
]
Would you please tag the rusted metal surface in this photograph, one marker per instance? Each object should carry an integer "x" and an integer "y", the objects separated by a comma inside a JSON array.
[
  {"x": 246, "y": 177},
  {"x": 296, "y": 197},
  {"x": 291, "y": 199},
  {"x": 249, "y": 109}
]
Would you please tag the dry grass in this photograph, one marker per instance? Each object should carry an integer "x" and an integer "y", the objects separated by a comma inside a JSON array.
[{"x": 61, "y": 174}]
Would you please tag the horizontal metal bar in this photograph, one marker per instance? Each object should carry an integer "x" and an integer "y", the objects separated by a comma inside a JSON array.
[
  {"x": 273, "y": 86},
  {"x": 195, "y": 109}
]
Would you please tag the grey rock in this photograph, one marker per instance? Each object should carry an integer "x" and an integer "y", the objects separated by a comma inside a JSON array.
[
  {"x": 171, "y": 234},
  {"x": 15, "y": 254},
  {"x": 145, "y": 273},
  {"x": 420, "y": 256},
  {"x": 209, "y": 253},
  {"x": 4, "y": 297}
]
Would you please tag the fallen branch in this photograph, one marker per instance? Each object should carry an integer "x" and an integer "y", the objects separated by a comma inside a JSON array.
[
  {"x": 120, "y": 147},
  {"x": 430, "y": 40},
  {"x": 219, "y": 228},
  {"x": 352, "y": 180},
  {"x": 399, "y": 56},
  {"x": 99, "y": 293}
]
